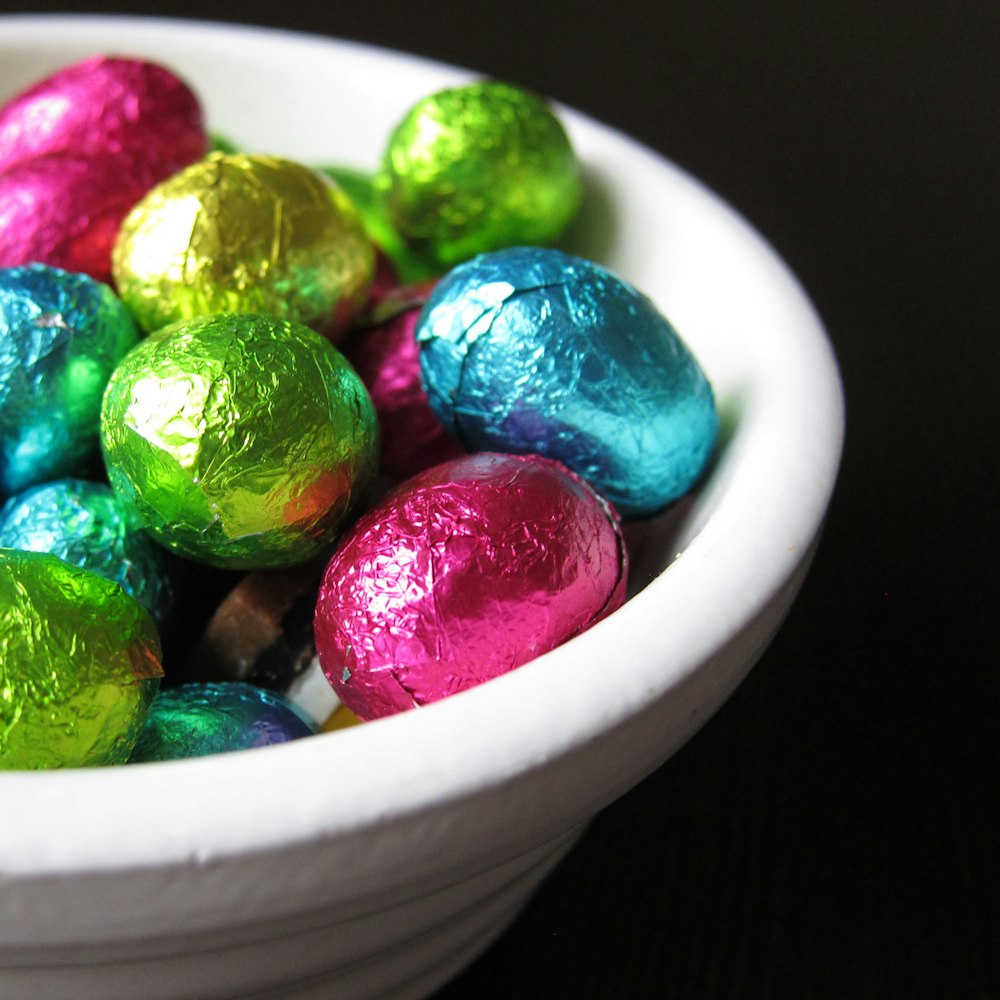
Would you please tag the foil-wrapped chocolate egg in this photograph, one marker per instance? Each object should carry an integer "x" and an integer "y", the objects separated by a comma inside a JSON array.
[
  {"x": 243, "y": 440},
  {"x": 386, "y": 357},
  {"x": 61, "y": 335},
  {"x": 79, "y": 665},
  {"x": 65, "y": 209},
  {"x": 464, "y": 572},
  {"x": 86, "y": 524},
  {"x": 237, "y": 232},
  {"x": 141, "y": 111},
  {"x": 478, "y": 167},
  {"x": 532, "y": 350},
  {"x": 199, "y": 719}
]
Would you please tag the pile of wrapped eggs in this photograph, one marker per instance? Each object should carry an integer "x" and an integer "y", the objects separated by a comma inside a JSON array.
[{"x": 285, "y": 447}]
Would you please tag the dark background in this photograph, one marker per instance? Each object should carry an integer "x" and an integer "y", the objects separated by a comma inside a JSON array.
[{"x": 832, "y": 833}]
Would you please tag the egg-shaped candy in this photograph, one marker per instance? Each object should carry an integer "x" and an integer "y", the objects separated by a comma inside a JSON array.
[
  {"x": 242, "y": 440},
  {"x": 65, "y": 209},
  {"x": 199, "y": 719},
  {"x": 61, "y": 335},
  {"x": 85, "y": 523},
  {"x": 237, "y": 232},
  {"x": 477, "y": 167},
  {"x": 532, "y": 350},
  {"x": 79, "y": 665},
  {"x": 138, "y": 110},
  {"x": 464, "y": 572},
  {"x": 386, "y": 357}
]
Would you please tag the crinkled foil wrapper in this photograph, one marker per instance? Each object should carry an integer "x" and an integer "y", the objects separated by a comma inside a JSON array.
[
  {"x": 141, "y": 111},
  {"x": 387, "y": 358},
  {"x": 532, "y": 350},
  {"x": 199, "y": 719},
  {"x": 465, "y": 572},
  {"x": 79, "y": 665},
  {"x": 87, "y": 525},
  {"x": 237, "y": 232},
  {"x": 61, "y": 336},
  {"x": 242, "y": 440},
  {"x": 479, "y": 167}
]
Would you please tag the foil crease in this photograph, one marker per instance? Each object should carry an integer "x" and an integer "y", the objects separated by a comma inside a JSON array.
[
  {"x": 61, "y": 336},
  {"x": 242, "y": 440},
  {"x": 84, "y": 523},
  {"x": 199, "y": 719},
  {"x": 532, "y": 350},
  {"x": 79, "y": 665},
  {"x": 479, "y": 167},
  {"x": 463, "y": 573},
  {"x": 237, "y": 232}
]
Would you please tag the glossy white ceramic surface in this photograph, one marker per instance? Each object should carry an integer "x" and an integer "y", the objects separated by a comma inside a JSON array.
[{"x": 376, "y": 861}]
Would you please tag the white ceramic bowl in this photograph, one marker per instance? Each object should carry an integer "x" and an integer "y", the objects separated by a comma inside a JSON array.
[{"x": 377, "y": 861}]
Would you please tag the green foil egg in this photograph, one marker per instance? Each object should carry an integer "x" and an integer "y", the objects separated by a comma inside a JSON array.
[
  {"x": 479, "y": 167},
  {"x": 79, "y": 665},
  {"x": 237, "y": 232},
  {"x": 242, "y": 440}
]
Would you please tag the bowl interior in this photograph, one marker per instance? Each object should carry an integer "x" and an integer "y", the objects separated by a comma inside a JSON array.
[{"x": 725, "y": 551}]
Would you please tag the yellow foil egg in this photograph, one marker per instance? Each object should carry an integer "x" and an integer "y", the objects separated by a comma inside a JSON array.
[{"x": 238, "y": 232}]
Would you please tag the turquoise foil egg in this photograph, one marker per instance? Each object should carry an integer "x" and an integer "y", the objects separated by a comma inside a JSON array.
[
  {"x": 532, "y": 350},
  {"x": 204, "y": 718},
  {"x": 84, "y": 523},
  {"x": 61, "y": 335}
]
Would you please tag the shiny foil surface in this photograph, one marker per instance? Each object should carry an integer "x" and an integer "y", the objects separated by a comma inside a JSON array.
[
  {"x": 79, "y": 665},
  {"x": 242, "y": 440},
  {"x": 142, "y": 112},
  {"x": 476, "y": 168},
  {"x": 195, "y": 720},
  {"x": 65, "y": 209},
  {"x": 466, "y": 571},
  {"x": 387, "y": 358},
  {"x": 87, "y": 525},
  {"x": 61, "y": 335},
  {"x": 244, "y": 233},
  {"x": 532, "y": 350}
]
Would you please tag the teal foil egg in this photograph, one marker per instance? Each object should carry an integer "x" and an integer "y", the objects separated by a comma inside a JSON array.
[
  {"x": 531, "y": 350},
  {"x": 86, "y": 524},
  {"x": 198, "y": 719},
  {"x": 61, "y": 335}
]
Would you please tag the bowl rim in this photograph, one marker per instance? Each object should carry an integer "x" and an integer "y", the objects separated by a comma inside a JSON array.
[{"x": 769, "y": 502}]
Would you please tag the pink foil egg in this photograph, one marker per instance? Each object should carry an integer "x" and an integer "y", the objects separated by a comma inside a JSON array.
[
  {"x": 64, "y": 210},
  {"x": 138, "y": 110},
  {"x": 464, "y": 572},
  {"x": 387, "y": 358}
]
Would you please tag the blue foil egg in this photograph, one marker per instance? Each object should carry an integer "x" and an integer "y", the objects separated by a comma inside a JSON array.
[
  {"x": 533, "y": 350},
  {"x": 61, "y": 335},
  {"x": 198, "y": 719},
  {"x": 86, "y": 524}
]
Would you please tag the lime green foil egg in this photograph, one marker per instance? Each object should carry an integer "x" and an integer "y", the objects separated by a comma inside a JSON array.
[
  {"x": 477, "y": 168},
  {"x": 242, "y": 440},
  {"x": 237, "y": 232},
  {"x": 79, "y": 665}
]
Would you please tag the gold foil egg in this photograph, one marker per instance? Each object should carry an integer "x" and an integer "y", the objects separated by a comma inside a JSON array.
[{"x": 245, "y": 233}]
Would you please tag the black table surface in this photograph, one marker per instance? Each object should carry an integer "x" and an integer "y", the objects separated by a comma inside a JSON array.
[{"x": 832, "y": 832}]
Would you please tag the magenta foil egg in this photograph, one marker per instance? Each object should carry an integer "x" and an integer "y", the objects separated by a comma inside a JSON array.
[
  {"x": 386, "y": 356},
  {"x": 140, "y": 111},
  {"x": 64, "y": 210},
  {"x": 464, "y": 572}
]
